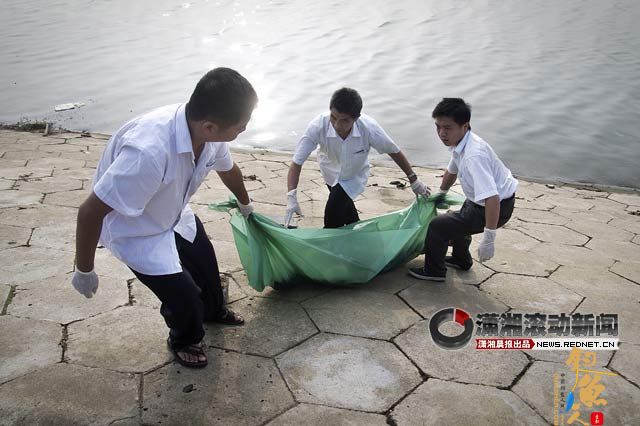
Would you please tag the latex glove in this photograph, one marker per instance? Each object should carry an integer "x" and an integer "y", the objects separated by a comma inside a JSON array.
[
  {"x": 486, "y": 248},
  {"x": 85, "y": 282},
  {"x": 419, "y": 188},
  {"x": 245, "y": 209},
  {"x": 292, "y": 207}
]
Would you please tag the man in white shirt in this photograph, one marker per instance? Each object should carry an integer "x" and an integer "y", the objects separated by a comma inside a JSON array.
[
  {"x": 139, "y": 205},
  {"x": 486, "y": 182},
  {"x": 345, "y": 137}
]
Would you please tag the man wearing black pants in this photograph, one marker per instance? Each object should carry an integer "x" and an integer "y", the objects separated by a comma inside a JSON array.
[
  {"x": 486, "y": 182},
  {"x": 344, "y": 138},
  {"x": 139, "y": 206},
  {"x": 193, "y": 295}
]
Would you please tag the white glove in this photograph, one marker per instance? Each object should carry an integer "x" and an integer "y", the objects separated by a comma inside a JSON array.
[
  {"x": 292, "y": 207},
  {"x": 486, "y": 248},
  {"x": 245, "y": 209},
  {"x": 419, "y": 188},
  {"x": 85, "y": 282}
]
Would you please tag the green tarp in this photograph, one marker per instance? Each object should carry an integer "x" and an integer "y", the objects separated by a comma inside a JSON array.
[{"x": 354, "y": 253}]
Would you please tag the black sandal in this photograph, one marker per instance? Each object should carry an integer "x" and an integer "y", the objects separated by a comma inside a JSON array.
[
  {"x": 195, "y": 349},
  {"x": 230, "y": 318}
]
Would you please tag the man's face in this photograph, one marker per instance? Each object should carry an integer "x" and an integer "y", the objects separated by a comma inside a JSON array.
[
  {"x": 228, "y": 134},
  {"x": 341, "y": 122},
  {"x": 450, "y": 132}
]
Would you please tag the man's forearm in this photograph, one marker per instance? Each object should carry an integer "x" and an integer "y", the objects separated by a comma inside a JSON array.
[
  {"x": 233, "y": 180},
  {"x": 448, "y": 179},
  {"x": 88, "y": 228},
  {"x": 402, "y": 162},
  {"x": 491, "y": 212},
  {"x": 293, "y": 177}
]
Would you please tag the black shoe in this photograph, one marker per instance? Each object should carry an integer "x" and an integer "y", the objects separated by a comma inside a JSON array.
[
  {"x": 421, "y": 274},
  {"x": 456, "y": 263}
]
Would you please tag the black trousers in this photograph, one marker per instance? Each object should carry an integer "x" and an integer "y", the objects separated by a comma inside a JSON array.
[
  {"x": 340, "y": 209},
  {"x": 191, "y": 296},
  {"x": 458, "y": 227}
]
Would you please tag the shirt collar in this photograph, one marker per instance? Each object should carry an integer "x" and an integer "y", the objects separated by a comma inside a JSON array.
[
  {"x": 355, "y": 131},
  {"x": 183, "y": 136},
  {"x": 462, "y": 144}
]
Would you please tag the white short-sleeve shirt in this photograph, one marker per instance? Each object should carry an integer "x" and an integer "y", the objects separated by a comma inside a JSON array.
[
  {"x": 480, "y": 171},
  {"x": 344, "y": 161},
  {"x": 147, "y": 174}
]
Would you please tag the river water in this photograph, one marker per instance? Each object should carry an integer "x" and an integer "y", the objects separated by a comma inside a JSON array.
[{"x": 554, "y": 85}]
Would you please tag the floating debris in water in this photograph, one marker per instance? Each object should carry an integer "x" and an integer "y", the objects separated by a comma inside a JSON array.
[{"x": 65, "y": 107}]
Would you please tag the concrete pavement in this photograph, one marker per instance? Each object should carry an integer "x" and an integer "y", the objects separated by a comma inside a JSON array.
[{"x": 313, "y": 354}]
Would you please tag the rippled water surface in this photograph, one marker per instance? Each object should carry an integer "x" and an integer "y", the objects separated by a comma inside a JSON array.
[{"x": 555, "y": 86}]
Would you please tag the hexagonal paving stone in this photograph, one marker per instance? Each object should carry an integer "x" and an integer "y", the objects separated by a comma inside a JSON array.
[
  {"x": 127, "y": 339},
  {"x": 536, "y": 389},
  {"x": 428, "y": 297},
  {"x": 49, "y": 185},
  {"x": 15, "y": 198},
  {"x": 553, "y": 233},
  {"x": 27, "y": 345},
  {"x": 520, "y": 262},
  {"x": 219, "y": 230},
  {"x": 61, "y": 236},
  {"x": 440, "y": 403},
  {"x": 360, "y": 313},
  {"x": 66, "y": 198},
  {"x": 108, "y": 265},
  {"x": 577, "y": 204},
  {"x": 271, "y": 326},
  {"x": 572, "y": 256},
  {"x": 613, "y": 208},
  {"x": 84, "y": 174},
  {"x": 535, "y": 204},
  {"x": 318, "y": 415},
  {"x": 234, "y": 389},
  {"x": 531, "y": 294},
  {"x": 468, "y": 365},
  {"x": 632, "y": 224},
  {"x": 626, "y": 361},
  {"x": 629, "y": 270},
  {"x": 4, "y": 295},
  {"x": 631, "y": 199},
  {"x": 43, "y": 299},
  {"x": 540, "y": 216},
  {"x": 348, "y": 372},
  {"x": 26, "y": 264},
  {"x": 596, "y": 283},
  {"x": 64, "y": 394},
  {"x": 588, "y": 216},
  {"x": 13, "y": 236},
  {"x": 599, "y": 230},
  {"x": 58, "y": 163},
  {"x": 227, "y": 255},
  {"x": 20, "y": 173},
  {"x": 508, "y": 239},
  {"x": 398, "y": 279},
  {"x": 628, "y": 315},
  {"x": 35, "y": 216},
  {"x": 602, "y": 358},
  {"x": 617, "y": 250},
  {"x": 6, "y": 184},
  {"x": 297, "y": 292}
]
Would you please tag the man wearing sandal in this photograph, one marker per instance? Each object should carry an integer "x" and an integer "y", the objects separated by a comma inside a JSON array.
[{"x": 139, "y": 209}]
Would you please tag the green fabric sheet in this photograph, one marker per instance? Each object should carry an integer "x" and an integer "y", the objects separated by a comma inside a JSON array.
[{"x": 355, "y": 253}]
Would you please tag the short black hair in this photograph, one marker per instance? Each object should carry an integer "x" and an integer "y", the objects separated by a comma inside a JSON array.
[
  {"x": 454, "y": 108},
  {"x": 346, "y": 101},
  {"x": 223, "y": 96}
]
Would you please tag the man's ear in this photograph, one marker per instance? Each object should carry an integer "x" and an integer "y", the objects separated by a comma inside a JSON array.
[{"x": 210, "y": 128}]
